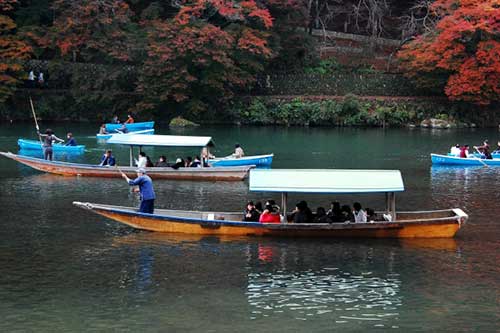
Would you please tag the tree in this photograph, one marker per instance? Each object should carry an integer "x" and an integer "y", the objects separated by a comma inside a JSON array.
[
  {"x": 463, "y": 49},
  {"x": 91, "y": 30},
  {"x": 211, "y": 49},
  {"x": 12, "y": 51}
]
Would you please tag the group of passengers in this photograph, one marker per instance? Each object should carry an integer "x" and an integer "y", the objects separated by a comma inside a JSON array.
[
  {"x": 303, "y": 214},
  {"x": 462, "y": 151}
]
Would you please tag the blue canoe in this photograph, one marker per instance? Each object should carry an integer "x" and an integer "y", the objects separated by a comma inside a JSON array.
[
  {"x": 131, "y": 127},
  {"x": 438, "y": 159},
  {"x": 26, "y": 144},
  {"x": 262, "y": 161},
  {"x": 107, "y": 136}
]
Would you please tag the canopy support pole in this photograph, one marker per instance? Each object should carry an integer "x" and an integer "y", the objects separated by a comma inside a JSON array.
[
  {"x": 131, "y": 156},
  {"x": 284, "y": 197},
  {"x": 390, "y": 203}
]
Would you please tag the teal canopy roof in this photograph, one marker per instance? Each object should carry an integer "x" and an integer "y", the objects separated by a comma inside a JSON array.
[
  {"x": 160, "y": 140},
  {"x": 325, "y": 181}
]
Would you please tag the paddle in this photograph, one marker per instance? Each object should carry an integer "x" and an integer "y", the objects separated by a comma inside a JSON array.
[
  {"x": 479, "y": 159},
  {"x": 36, "y": 122}
]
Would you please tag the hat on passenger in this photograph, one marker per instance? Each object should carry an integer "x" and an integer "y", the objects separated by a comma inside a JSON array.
[
  {"x": 141, "y": 170},
  {"x": 178, "y": 160}
]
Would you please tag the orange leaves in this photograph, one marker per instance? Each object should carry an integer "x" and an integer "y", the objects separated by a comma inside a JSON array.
[
  {"x": 250, "y": 42},
  {"x": 465, "y": 47}
]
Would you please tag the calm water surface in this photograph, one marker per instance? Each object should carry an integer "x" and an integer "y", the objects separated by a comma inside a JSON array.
[{"x": 63, "y": 269}]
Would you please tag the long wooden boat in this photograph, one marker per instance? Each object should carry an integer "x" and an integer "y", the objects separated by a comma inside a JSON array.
[
  {"x": 131, "y": 127},
  {"x": 438, "y": 159},
  {"x": 257, "y": 160},
  {"x": 87, "y": 170},
  {"x": 108, "y": 136},
  {"x": 419, "y": 224},
  {"x": 27, "y": 144}
]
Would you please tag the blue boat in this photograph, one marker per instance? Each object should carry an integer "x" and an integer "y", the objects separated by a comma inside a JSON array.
[
  {"x": 438, "y": 159},
  {"x": 478, "y": 155},
  {"x": 131, "y": 127},
  {"x": 26, "y": 144},
  {"x": 107, "y": 136},
  {"x": 260, "y": 161}
]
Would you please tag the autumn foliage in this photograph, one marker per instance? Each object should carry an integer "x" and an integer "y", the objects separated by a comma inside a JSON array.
[
  {"x": 211, "y": 49},
  {"x": 12, "y": 50},
  {"x": 464, "y": 49}
]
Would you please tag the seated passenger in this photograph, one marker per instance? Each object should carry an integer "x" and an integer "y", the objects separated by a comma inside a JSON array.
[
  {"x": 321, "y": 216},
  {"x": 464, "y": 151},
  {"x": 455, "y": 150},
  {"x": 258, "y": 207},
  {"x": 497, "y": 151},
  {"x": 107, "y": 159},
  {"x": 149, "y": 163},
  {"x": 359, "y": 213},
  {"x": 270, "y": 215},
  {"x": 196, "y": 162},
  {"x": 302, "y": 213},
  {"x": 123, "y": 129},
  {"x": 71, "y": 140},
  {"x": 251, "y": 214},
  {"x": 371, "y": 216},
  {"x": 334, "y": 213},
  {"x": 162, "y": 162},
  {"x": 102, "y": 129},
  {"x": 346, "y": 214},
  {"x": 238, "y": 151},
  {"x": 188, "y": 162},
  {"x": 179, "y": 163}
]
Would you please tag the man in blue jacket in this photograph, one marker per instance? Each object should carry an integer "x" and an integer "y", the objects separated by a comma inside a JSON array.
[{"x": 145, "y": 188}]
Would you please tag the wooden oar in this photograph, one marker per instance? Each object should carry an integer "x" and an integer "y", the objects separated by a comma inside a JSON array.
[
  {"x": 36, "y": 122},
  {"x": 479, "y": 159}
]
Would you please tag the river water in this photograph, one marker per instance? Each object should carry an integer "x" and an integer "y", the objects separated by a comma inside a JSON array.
[{"x": 64, "y": 269}]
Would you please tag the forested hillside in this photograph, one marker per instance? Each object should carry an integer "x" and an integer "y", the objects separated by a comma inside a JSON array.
[{"x": 163, "y": 58}]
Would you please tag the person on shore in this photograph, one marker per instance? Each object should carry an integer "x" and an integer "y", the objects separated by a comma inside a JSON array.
[
  {"x": 464, "y": 151},
  {"x": 48, "y": 138},
  {"x": 102, "y": 129},
  {"x": 142, "y": 161},
  {"x": 162, "y": 162},
  {"x": 270, "y": 215},
  {"x": 108, "y": 159},
  {"x": 130, "y": 119},
  {"x": 31, "y": 79},
  {"x": 251, "y": 213},
  {"x": 359, "y": 213},
  {"x": 484, "y": 150},
  {"x": 455, "y": 150},
  {"x": 145, "y": 188},
  {"x": 238, "y": 151},
  {"x": 71, "y": 140},
  {"x": 41, "y": 80}
]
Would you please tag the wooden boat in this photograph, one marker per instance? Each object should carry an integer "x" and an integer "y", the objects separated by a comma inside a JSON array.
[
  {"x": 420, "y": 224},
  {"x": 257, "y": 160},
  {"x": 26, "y": 144},
  {"x": 107, "y": 136},
  {"x": 88, "y": 170},
  {"x": 438, "y": 159},
  {"x": 131, "y": 127}
]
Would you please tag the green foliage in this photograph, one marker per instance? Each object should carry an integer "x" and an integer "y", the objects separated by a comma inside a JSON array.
[{"x": 327, "y": 66}]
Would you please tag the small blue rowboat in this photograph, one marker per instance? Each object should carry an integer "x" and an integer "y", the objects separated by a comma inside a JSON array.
[
  {"x": 494, "y": 155},
  {"x": 260, "y": 161},
  {"x": 131, "y": 127},
  {"x": 107, "y": 136},
  {"x": 26, "y": 144},
  {"x": 438, "y": 159}
]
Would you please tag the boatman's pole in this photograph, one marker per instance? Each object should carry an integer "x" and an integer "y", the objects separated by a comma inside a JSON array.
[{"x": 34, "y": 117}]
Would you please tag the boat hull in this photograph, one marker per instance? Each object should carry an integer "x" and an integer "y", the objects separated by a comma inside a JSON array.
[
  {"x": 432, "y": 224},
  {"x": 131, "y": 127},
  {"x": 438, "y": 159},
  {"x": 258, "y": 161},
  {"x": 107, "y": 136},
  {"x": 86, "y": 170},
  {"x": 26, "y": 144}
]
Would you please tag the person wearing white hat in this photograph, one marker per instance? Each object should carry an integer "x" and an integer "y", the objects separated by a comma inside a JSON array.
[{"x": 145, "y": 188}]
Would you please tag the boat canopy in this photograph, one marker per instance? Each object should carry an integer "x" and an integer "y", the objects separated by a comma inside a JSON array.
[
  {"x": 325, "y": 181},
  {"x": 161, "y": 140}
]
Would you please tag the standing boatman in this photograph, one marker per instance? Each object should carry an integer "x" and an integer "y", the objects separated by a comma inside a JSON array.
[{"x": 145, "y": 188}]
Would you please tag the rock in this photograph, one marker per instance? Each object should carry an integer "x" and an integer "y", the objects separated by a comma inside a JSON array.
[
  {"x": 425, "y": 123},
  {"x": 181, "y": 122},
  {"x": 439, "y": 123}
]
